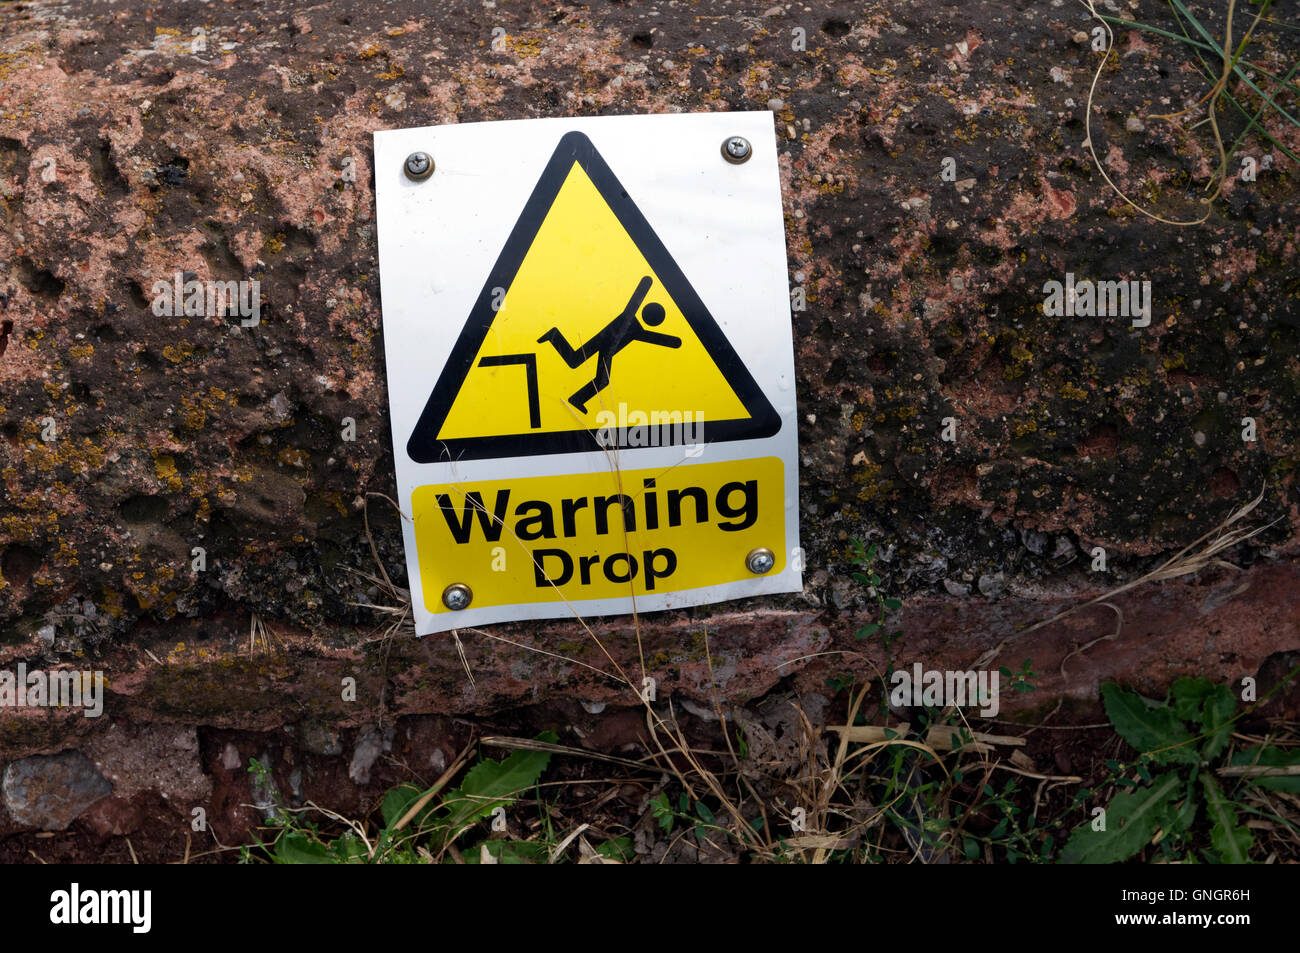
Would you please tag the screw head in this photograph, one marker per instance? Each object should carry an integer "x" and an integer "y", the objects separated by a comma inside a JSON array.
[
  {"x": 418, "y": 166},
  {"x": 457, "y": 596},
  {"x": 736, "y": 149},
  {"x": 760, "y": 561}
]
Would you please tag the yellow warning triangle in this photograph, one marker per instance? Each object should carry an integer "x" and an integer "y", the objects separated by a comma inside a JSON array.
[{"x": 585, "y": 326}]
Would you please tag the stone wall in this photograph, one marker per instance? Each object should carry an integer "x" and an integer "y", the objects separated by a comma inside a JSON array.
[{"x": 129, "y": 151}]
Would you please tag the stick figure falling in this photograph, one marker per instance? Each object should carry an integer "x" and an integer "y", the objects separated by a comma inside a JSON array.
[{"x": 611, "y": 339}]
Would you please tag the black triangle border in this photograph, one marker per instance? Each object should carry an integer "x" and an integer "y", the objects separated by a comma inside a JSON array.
[{"x": 423, "y": 445}]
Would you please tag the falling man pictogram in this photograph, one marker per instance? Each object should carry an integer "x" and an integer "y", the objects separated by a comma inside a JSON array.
[{"x": 604, "y": 344}]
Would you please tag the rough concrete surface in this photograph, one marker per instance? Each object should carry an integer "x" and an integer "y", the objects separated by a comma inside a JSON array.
[{"x": 129, "y": 152}]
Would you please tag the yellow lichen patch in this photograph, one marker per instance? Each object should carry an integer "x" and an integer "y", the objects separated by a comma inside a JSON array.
[
  {"x": 11, "y": 62},
  {"x": 164, "y": 468},
  {"x": 335, "y": 499},
  {"x": 81, "y": 456},
  {"x": 371, "y": 51},
  {"x": 177, "y": 352},
  {"x": 18, "y": 529},
  {"x": 867, "y": 477},
  {"x": 66, "y": 556},
  {"x": 200, "y": 484},
  {"x": 525, "y": 48},
  {"x": 275, "y": 244},
  {"x": 113, "y": 604},
  {"x": 199, "y": 406},
  {"x": 81, "y": 351},
  {"x": 1071, "y": 392}
]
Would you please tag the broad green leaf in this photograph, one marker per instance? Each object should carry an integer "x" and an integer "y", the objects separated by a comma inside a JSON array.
[
  {"x": 617, "y": 848},
  {"x": 490, "y": 784},
  {"x": 1179, "y": 817},
  {"x": 1150, "y": 730},
  {"x": 1212, "y": 707},
  {"x": 1230, "y": 840},
  {"x": 397, "y": 802},
  {"x": 1216, "y": 721},
  {"x": 1131, "y": 821},
  {"x": 1187, "y": 695},
  {"x": 1274, "y": 757},
  {"x": 295, "y": 847}
]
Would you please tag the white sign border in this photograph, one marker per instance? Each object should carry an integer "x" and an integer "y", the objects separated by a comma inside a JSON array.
[{"x": 721, "y": 222}]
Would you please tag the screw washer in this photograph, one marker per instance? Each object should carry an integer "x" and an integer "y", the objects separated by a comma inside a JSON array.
[
  {"x": 457, "y": 596},
  {"x": 736, "y": 149},
  {"x": 418, "y": 166}
]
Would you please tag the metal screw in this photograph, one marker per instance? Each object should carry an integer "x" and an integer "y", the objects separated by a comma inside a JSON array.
[
  {"x": 419, "y": 166},
  {"x": 457, "y": 596},
  {"x": 760, "y": 560},
  {"x": 736, "y": 149}
]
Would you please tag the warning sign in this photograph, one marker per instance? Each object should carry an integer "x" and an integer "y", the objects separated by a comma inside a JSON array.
[
  {"x": 590, "y": 370},
  {"x": 600, "y": 535},
  {"x": 584, "y": 303}
]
